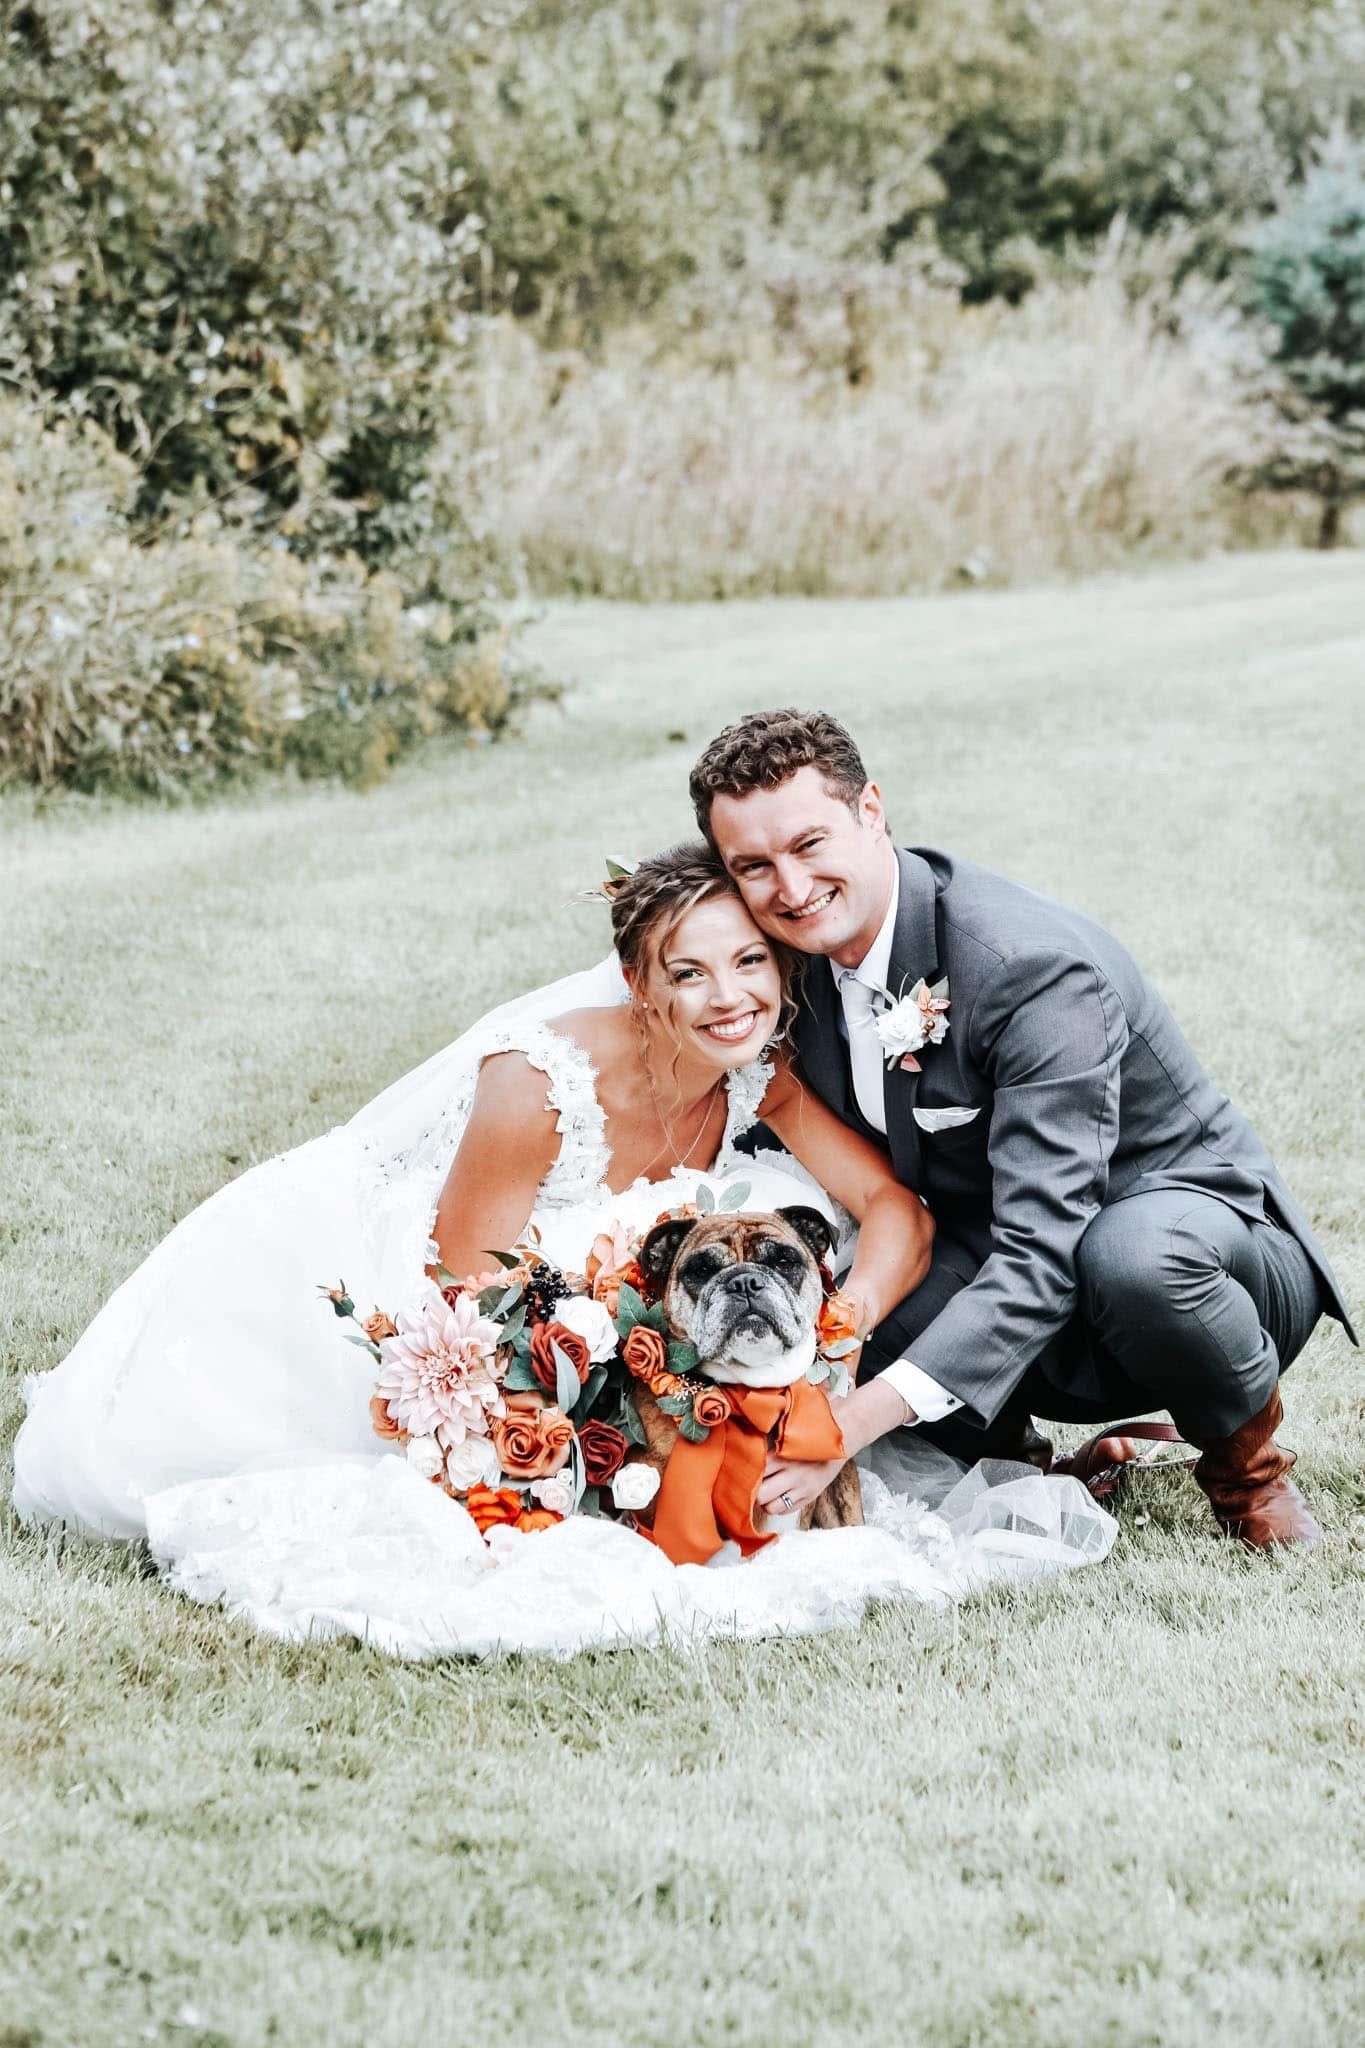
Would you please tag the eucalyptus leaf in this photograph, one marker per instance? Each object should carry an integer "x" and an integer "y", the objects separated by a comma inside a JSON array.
[
  {"x": 593, "y": 1386},
  {"x": 632, "y": 1425},
  {"x": 737, "y": 1196},
  {"x": 818, "y": 1371},
  {"x": 706, "y": 1201},
  {"x": 695, "y": 1432},
  {"x": 675, "y": 1404},
  {"x": 630, "y": 1310},
  {"x": 591, "y": 1503},
  {"x": 514, "y": 1325},
  {"x": 568, "y": 1386},
  {"x": 488, "y": 1300},
  {"x": 683, "y": 1358},
  {"x": 364, "y": 1344},
  {"x": 505, "y": 1259},
  {"x": 520, "y": 1379}
]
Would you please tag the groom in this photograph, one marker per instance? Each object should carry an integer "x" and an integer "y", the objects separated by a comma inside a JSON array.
[{"x": 1112, "y": 1236}]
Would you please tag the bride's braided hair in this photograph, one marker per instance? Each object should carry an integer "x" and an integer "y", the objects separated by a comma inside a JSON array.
[{"x": 648, "y": 905}]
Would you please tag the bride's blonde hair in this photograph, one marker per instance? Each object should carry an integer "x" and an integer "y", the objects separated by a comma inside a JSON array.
[{"x": 649, "y": 904}]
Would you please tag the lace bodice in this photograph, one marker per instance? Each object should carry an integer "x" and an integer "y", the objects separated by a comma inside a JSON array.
[{"x": 580, "y": 1172}]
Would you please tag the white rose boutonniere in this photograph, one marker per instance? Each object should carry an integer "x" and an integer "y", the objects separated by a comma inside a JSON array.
[{"x": 909, "y": 1022}]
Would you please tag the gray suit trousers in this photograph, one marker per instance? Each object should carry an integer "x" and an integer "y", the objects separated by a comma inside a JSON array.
[{"x": 1183, "y": 1304}]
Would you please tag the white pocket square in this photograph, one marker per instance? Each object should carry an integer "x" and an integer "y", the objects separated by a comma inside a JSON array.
[{"x": 944, "y": 1119}]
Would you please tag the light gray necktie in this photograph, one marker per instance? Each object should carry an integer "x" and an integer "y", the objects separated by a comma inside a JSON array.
[{"x": 864, "y": 1048}]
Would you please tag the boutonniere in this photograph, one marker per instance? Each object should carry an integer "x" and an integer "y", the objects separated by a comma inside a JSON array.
[{"x": 910, "y": 1021}]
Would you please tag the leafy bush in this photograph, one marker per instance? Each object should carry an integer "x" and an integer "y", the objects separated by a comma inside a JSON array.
[
  {"x": 599, "y": 165},
  {"x": 235, "y": 239},
  {"x": 1308, "y": 282},
  {"x": 191, "y": 660}
]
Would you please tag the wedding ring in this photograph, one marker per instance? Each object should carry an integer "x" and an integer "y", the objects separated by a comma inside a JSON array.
[{"x": 787, "y": 1502}]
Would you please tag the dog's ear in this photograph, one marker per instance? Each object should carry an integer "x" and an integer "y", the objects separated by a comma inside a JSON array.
[
  {"x": 661, "y": 1248},
  {"x": 812, "y": 1228}
]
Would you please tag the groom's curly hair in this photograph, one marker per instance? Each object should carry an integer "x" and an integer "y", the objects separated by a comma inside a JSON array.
[{"x": 767, "y": 748}]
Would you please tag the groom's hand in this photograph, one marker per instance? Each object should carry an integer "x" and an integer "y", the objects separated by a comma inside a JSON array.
[{"x": 863, "y": 1415}]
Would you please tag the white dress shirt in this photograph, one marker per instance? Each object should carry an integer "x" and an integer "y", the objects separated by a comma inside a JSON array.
[{"x": 926, "y": 1399}]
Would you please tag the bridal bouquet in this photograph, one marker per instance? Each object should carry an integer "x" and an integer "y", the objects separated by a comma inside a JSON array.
[{"x": 513, "y": 1389}]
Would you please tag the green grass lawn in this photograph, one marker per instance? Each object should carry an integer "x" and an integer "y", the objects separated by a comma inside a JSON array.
[{"x": 1121, "y": 1808}]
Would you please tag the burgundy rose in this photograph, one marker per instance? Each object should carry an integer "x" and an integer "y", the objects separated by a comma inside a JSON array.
[
  {"x": 544, "y": 1338},
  {"x": 604, "y": 1450}
]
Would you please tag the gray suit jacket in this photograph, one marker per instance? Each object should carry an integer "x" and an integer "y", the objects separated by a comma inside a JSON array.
[{"x": 1087, "y": 1092}]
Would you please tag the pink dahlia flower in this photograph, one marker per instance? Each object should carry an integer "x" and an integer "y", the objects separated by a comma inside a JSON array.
[{"x": 438, "y": 1374}]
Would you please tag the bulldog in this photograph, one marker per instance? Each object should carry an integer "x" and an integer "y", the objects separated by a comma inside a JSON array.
[{"x": 746, "y": 1292}]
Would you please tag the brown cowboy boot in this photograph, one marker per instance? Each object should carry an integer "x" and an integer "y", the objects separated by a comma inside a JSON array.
[{"x": 1245, "y": 1476}]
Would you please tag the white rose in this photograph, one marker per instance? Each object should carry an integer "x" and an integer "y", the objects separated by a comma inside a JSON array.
[
  {"x": 472, "y": 1463},
  {"x": 555, "y": 1493},
  {"x": 634, "y": 1487},
  {"x": 424, "y": 1456},
  {"x": 590, "y": 1321}
]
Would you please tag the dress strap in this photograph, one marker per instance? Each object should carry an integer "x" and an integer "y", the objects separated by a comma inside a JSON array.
[{"x": 584, "y": 1160}]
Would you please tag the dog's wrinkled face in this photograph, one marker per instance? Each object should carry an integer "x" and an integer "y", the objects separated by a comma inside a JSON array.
[{"x": 745, "y": 1290}]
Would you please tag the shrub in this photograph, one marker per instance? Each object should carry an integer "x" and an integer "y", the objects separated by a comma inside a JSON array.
[
  {"x": 599, "y": 165},
  {"x": 988, "y": 443},
  {"x": 234, "y": 238},
  {"x": 1308, "y": 283},
  {"x": 188, "y": 661}
]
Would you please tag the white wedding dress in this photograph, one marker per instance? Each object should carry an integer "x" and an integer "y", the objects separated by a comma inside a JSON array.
[{"x": 214, "y": 1407}]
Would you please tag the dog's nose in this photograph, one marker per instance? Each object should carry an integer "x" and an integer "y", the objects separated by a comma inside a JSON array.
[{"x": 749, "y": 1283}]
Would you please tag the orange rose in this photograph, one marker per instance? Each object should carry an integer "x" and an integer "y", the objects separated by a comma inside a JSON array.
[
  {"x": 381, "y": 1421},
  {"x": 531, "y": 1519},
  {"x": 532, "y": 1446},
  {"x": 524, "y": 1404},
  {"x": 606, "y": 1288},
  {"x": 544, "y": 1338},
  {"x": 379, "y": 1325},
  {"x": 492, "y": 1507},
  {"x": 711, "y": 1407},
  {"x": 645, "y": 1352},
  {"x": 838, "y": 1320}
]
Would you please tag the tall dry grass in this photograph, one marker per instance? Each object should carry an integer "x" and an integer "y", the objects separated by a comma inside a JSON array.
[{"x": 855, "y": 449}]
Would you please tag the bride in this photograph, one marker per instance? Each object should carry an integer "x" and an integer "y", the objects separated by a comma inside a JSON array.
[{"x": 212, "y": 1408}]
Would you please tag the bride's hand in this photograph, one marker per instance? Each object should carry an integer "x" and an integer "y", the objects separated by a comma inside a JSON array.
[{"x": 788, "y": 1485}]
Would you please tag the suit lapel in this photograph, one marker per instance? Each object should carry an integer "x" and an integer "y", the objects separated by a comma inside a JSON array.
[{"x": 914, "y": 953}]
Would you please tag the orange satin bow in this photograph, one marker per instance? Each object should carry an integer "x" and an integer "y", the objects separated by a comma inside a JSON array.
[{"x": 709, "y": 1488}]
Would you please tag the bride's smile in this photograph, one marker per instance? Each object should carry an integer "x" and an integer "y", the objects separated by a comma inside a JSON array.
[{"x": 714, "y": 985}]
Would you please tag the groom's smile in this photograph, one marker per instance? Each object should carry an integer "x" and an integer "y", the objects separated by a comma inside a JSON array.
[{"x": 812, "y": 909}]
